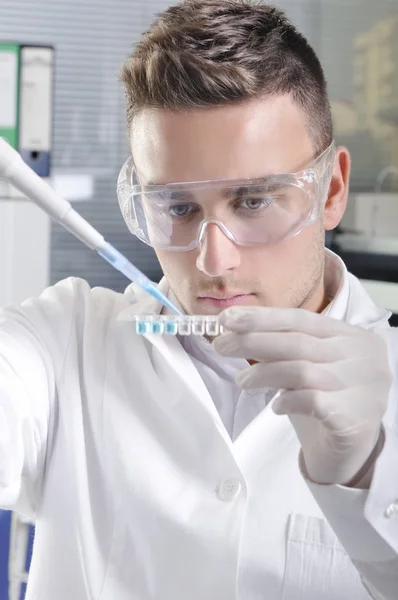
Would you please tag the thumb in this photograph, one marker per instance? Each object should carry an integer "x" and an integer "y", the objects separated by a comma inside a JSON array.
[{"x": 308, "y": 403}]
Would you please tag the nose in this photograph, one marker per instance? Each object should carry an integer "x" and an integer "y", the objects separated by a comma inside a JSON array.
[{"x": 217, "y": 253}]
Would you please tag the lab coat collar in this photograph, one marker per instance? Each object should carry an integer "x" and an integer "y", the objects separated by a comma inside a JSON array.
[{"x": 350, "y": 303}]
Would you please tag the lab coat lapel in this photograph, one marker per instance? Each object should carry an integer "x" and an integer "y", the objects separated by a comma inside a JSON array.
[
  {"x": 260, "y": 442},
  {"x": 264, "y": 439},
  {"x": 183, "y": 369},
  {"x": 184, "y": 373}
]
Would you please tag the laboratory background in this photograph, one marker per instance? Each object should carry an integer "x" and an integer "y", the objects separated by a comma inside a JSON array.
[{"x": 79, "y": 113}]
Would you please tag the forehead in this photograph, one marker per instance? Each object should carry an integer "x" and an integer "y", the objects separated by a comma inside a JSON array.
[{"x": 247, "y": 140}]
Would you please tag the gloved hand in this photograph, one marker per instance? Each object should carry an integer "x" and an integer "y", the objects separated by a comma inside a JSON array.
[{"x": 334, "y": 380}]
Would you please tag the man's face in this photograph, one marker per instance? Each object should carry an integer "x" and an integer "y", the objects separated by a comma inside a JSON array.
[{"x": 250, "y": 140}]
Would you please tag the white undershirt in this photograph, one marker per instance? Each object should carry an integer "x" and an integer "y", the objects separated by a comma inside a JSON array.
[{"x": 237, "y": 408}]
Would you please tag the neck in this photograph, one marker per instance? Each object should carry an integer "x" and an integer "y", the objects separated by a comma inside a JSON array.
[{"x": 318, "y": 300}]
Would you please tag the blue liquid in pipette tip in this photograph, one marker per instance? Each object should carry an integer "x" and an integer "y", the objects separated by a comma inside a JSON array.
[
  {"x": 154, "y": 291},
  {"x": 120, "y": 262}
]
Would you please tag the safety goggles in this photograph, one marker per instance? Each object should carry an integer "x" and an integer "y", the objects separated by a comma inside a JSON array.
[{"x": 248, "y": 211}]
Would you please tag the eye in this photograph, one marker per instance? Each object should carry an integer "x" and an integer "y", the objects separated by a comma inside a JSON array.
[
  {"x": 181, "y": 210},
  {"x": 256, "y": 203}
]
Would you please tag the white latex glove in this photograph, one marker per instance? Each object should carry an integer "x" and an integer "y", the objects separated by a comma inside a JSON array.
[{"x": 334, "y": 380}]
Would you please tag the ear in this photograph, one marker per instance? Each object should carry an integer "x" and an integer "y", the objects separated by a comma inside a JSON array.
[{"x": 336, "y": 202}]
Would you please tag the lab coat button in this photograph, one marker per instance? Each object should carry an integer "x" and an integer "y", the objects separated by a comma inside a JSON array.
[
  {"x": 229, "y": 490},
  {"x": 391, "y": 510}
]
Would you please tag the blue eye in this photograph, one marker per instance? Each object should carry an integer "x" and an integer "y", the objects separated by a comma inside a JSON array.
[
  {"x": 182, "y": 210},
  {"x": 179, "y": 210},
  {"x": 253, "y": 204}
]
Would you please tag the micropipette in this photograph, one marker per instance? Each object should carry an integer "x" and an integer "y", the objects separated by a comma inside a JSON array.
[{"x": 21, "y": 176}]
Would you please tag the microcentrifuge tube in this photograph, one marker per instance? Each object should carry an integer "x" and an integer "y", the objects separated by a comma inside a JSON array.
[
  {"x": 185, "y": 325},
  {"x": 198, "y": 325}
]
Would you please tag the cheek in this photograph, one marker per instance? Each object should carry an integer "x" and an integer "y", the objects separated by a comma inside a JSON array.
[
  {"x": 302, "y": 247},
  {"x": 177, "y": 266},
  {"x": 289, "y": 259}
]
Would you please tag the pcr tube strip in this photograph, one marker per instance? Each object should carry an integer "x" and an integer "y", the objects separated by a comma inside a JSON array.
[{"x": 178, "y": 324}]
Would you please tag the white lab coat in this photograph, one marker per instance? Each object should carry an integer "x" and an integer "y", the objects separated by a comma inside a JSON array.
[{"x": 112, "y": 443}]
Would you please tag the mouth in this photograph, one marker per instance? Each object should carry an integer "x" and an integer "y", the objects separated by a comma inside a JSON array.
[{"x": 225, "y": 301}]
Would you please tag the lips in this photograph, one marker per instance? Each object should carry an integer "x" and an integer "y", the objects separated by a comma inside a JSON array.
[
  {"x": 224, "y": 301},
  {"x": 224, "y": 295},
  {"x": 216, "y": 297}
]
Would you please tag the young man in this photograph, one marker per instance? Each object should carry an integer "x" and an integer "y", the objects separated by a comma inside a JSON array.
[{"x": 162, "y": 467}]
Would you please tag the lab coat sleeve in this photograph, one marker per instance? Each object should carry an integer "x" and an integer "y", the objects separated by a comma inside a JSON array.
[
  {"x": 366, "y": 521},
  {"x": 33, "y": 343}
]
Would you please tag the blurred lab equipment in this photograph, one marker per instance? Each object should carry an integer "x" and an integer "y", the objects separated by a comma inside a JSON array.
[
  {"x": 367, "y": 241},
  {"x": 370, "y": 223},
  {"x": 384, "y": 173}
]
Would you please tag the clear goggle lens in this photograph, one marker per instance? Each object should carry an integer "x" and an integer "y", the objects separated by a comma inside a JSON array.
[{"x": 249, "y": 212}]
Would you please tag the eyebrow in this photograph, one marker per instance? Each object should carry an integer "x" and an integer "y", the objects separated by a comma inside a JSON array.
[{"x": 245, "y": 190}]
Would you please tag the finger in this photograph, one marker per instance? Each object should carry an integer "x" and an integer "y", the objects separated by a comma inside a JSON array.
[
  {"x": 297, "y": 375},
  {"x": 329, "y": 408},
  {"x": 307, "y": 403},
  {"x": 265, "y": 346},
  {"x": 259, "y": 318},
  {"x": 305, "y": 375}
]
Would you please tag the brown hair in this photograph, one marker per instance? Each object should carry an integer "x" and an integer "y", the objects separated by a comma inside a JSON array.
[{"x": 207, "y": 53}]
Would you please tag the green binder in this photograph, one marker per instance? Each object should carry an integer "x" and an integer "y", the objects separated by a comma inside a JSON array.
[{"x": 9, "y": 97}]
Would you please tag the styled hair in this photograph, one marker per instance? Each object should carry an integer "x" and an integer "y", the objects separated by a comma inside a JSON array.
[{"x": 209, "y": 53}]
